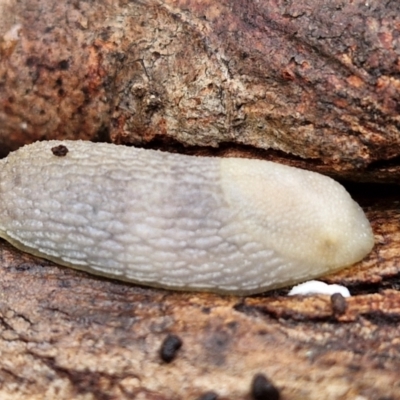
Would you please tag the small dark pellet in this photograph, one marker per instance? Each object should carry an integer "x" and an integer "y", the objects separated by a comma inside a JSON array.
[
  {"x": 170, "y": 347},
  {"x": 339, "y": 304},
  {"x": 263, "y": 389},
  {"x": 208, "y": 396},
  {"x": 60, "y": 151}
]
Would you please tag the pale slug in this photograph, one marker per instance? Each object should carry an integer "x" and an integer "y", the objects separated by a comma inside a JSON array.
[{"x": 227, "y": 225}]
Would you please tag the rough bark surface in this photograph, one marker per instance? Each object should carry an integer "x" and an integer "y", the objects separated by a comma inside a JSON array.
[
  {"x": 314, "y": 83},
  {"x": 67, "y": 335}
]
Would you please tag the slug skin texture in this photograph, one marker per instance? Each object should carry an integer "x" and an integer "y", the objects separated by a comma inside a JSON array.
[{"x": 227, "y": 225}]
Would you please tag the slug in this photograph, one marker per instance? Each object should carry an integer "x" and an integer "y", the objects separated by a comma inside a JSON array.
[{"x": 227, "y": 225}]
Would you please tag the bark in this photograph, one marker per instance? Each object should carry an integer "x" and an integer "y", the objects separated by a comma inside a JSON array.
[
  {"x": 314, "y": 83},
  {"x": 68, "y": 335}
]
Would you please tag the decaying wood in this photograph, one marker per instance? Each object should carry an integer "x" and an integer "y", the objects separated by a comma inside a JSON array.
[
  {"x": 317, "y": 81},
  {"x": 68, "y": 335}
]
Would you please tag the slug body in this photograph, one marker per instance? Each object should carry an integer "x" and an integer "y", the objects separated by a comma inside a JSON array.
[{"x": 226, "y": 225}]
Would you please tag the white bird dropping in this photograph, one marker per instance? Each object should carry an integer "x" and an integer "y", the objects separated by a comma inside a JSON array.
[
  {"x": 318, "y": 287},
  {"x": 228, "y": 225}
]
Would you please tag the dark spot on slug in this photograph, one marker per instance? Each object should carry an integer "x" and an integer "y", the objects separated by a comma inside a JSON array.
[
  {"x": 60, "y": 151},
  {"x": 170, "y": 347},
  {"x": 339, "y": 304},
  {"x": 263, "y": 389},
  {"x": 208, "y": 396}
]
